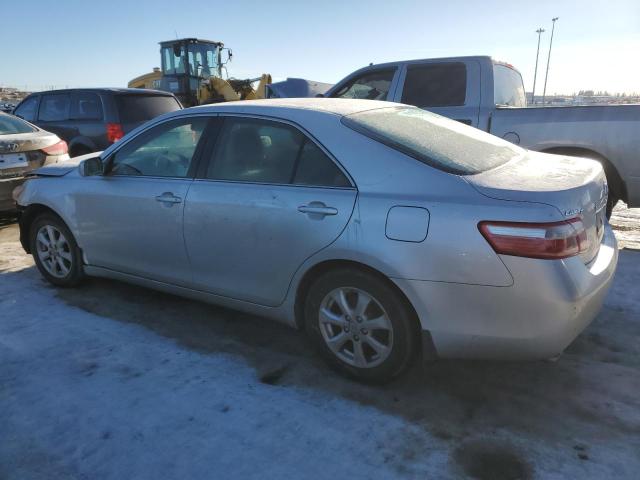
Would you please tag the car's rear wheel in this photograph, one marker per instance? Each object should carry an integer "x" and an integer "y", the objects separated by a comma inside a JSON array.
[
  {"x": 55, "y": 251},
  {"x": 361, "y": 325}
]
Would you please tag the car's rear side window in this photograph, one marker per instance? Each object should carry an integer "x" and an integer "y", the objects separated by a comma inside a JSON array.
[
  {"x": 86, "y": 106},
  {"x": 435, "y": 85},
  {"x": 262, "y": 151},
  {"x": 140, "y": 108},
  {"x": 11, "y": 125},
  {"x": 54, "y": 108},
  {"x": 434, "y": 140}
]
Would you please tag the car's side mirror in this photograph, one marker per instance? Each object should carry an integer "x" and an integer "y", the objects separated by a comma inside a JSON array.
[{"x": 91, "y": 167}]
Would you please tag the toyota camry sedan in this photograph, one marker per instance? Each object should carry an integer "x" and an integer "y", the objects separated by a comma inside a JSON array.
[{"x": 385, "y": 232}]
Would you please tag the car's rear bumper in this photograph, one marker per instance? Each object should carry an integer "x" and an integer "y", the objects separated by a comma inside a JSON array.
[{"x": 549, "y": 304}]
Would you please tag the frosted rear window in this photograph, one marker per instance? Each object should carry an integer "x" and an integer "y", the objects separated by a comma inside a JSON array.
[{"x": 435, "y": 140}]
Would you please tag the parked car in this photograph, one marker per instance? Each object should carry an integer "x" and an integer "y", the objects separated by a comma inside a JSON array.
[
  {"x": 384, "y": 231},
  {"x": 489, "y": 95},
  {"x": 23, "y": 148},
  {"x": 91, "y": 119},
  {"x": 7, "y": 107}
]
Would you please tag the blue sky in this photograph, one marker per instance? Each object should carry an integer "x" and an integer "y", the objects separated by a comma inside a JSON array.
[{"x": 108, "y": 42}]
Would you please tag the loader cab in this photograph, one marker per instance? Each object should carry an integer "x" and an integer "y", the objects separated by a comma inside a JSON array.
[{"x": 185, "y": 63}]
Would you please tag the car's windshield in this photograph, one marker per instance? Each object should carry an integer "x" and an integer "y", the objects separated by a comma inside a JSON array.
[
  {"x": 435, "y": 140},
  {"x": 11, "y": 125}
]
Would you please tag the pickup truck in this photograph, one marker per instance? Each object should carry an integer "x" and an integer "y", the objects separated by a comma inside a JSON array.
[{"x": 490, "y": 95}]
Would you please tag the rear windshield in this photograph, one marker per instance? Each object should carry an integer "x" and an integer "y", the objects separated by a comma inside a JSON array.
[
  {"x": 140, "y": 108},
  {"x": 437, "y": 141},
  {"x": 11, "y": 125}
]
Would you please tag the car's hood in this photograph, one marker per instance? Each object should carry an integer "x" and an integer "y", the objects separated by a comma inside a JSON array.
[{"x": 62, "y": 168}]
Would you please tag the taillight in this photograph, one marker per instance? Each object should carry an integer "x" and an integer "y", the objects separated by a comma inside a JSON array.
[
  {"x": 537, "y": 240},
  {"x": 114, "y": 132},
  {"x": 59, "y": 148}
]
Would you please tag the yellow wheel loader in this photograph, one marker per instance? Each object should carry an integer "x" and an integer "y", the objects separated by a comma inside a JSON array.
[{"x": 192, "y": 70}]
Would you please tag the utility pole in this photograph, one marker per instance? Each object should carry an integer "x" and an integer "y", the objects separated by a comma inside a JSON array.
[
  {"x": 553, "y": 27},
  {"x": 535, "y": 73}
]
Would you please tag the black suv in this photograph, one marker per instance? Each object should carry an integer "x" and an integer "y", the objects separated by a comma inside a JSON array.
[{"x": 91, "y": 119}]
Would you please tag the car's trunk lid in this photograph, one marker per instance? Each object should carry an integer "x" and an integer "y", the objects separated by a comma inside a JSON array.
[{"x": 575, "y": 186}]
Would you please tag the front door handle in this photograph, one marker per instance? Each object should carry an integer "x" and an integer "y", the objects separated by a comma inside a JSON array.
[
  {"x": 168, "y": 197},
  {"x": 317, "y": 208}
]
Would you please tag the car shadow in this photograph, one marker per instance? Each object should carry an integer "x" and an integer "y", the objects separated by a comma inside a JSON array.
[{"x": 453, "y": 400}]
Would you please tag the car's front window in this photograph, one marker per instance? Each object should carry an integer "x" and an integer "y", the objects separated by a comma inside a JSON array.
[
  {"x": 435, "y": 140},
  {"x": 165, "y": 151}
]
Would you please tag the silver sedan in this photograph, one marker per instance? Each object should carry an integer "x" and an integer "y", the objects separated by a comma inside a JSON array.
[{"x": 384, "y": 231}]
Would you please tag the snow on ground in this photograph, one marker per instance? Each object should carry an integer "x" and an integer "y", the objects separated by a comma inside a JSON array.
[
  {"x": 626, "y": 222},
  {"x": 110, "y": 381}
]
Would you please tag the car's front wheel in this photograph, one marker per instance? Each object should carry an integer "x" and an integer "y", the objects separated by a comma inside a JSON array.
[
  {"x": 55, "y": 251},
  {"x": 361, "y": 325}
]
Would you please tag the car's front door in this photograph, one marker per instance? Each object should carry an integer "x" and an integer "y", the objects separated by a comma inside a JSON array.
[
  {"x": 130, "y": 219},
  {"x": 269, "y": 198}
]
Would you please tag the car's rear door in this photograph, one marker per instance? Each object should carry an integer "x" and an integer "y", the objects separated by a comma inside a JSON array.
[
  {"x": 131, "y": 219},
  {"x": 267, "y": 199}
]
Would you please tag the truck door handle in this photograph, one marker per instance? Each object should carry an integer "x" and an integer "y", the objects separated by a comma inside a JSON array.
[
  {"x": 317, "y": 208},
  {"x": 168, "y": 197}
]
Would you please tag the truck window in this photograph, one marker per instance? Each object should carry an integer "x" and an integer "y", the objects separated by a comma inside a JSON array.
[
  {"x": 369, "y": 86},
  {"x": 434, "y": 140},
  {"x": 508, "y": 89},
  {"x": 435, "y": 85}
]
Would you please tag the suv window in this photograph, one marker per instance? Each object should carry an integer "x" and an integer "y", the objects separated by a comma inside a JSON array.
[
  {"x": 27, "y": 109},
  {"x": 86, "y": 106},
  {"x": 165, "y": 151},
  {"x": 261, "y": 151},
  {"x": 435, "y": 85},
  {"x": 140, "y": 108},
  {"x": 369, "y": 86},
  {"x": 54, "y": 108}
]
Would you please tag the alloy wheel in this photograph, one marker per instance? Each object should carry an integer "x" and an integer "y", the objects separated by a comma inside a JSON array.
[
  {"x": 355, "y": 327},
  {"x": 54, "y": 251}
]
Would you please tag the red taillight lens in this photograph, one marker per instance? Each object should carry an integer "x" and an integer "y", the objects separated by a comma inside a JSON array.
[
  {"x": 536, "y": 240},
  {"x": 59, "y": 148},
  {"x": 114, "y": 132}
]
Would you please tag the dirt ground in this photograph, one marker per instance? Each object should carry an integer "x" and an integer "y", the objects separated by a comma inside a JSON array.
[{"x": 578, "y": 416}]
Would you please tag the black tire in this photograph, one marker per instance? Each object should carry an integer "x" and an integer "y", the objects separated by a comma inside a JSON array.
[
  {"x": 79, "y": 151},
  {"x": 405, "y": 334},
  {"x": 69, "y": 250}
]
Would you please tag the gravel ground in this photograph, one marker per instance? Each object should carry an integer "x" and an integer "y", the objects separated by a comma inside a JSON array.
[{"x": 114, "y": 381}]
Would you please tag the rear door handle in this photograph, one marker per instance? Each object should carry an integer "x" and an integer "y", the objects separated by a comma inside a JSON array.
[
  {"x": 317, "y": 208},
  {"x": 168, "y": 197}
]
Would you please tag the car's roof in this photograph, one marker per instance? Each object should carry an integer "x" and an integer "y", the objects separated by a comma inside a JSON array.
[
  {"x": 115, "y": 90},
  {"x": 335, "y": 106}
]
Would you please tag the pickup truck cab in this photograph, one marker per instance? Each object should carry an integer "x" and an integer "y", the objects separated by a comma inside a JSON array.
[{"x": 487, "y": 94}]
